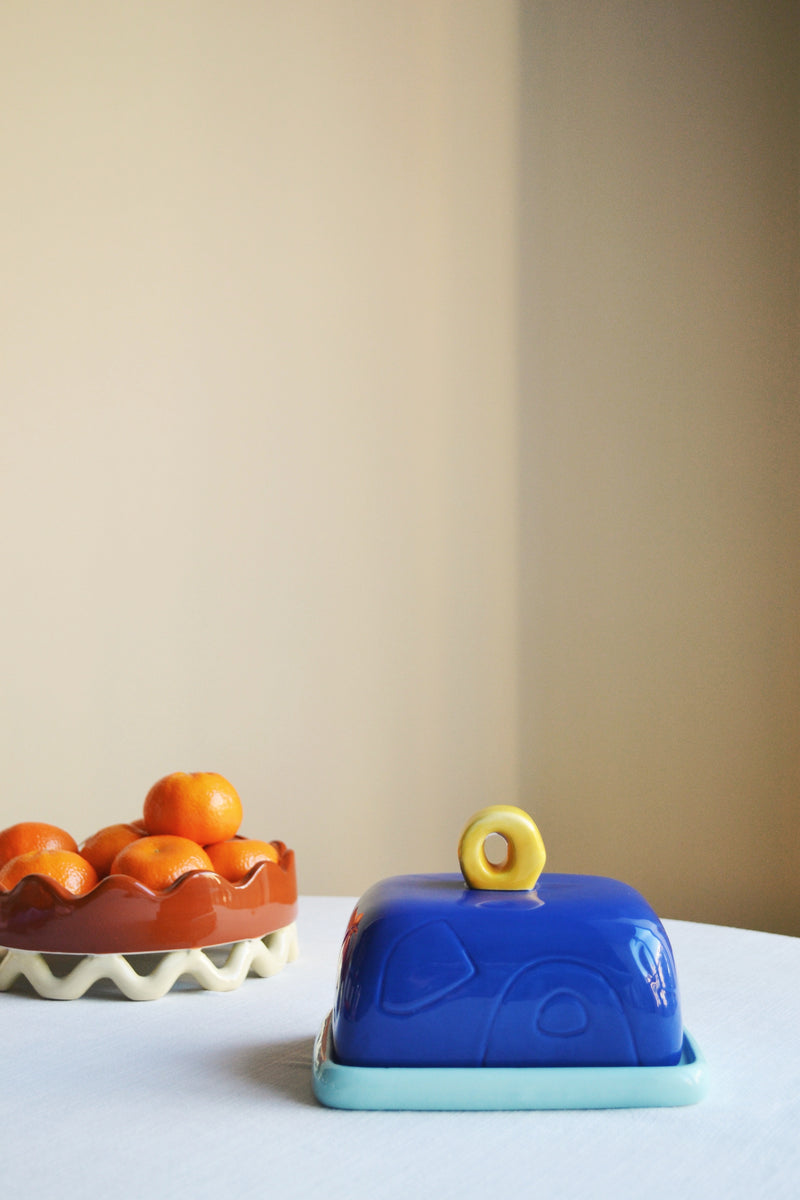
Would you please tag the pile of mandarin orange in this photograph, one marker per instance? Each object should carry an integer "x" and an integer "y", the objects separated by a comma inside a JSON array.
[{"x": 189, "y": 823}]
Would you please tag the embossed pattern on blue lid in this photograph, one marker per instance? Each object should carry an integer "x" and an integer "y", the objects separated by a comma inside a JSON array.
[{"x": 576, "y": 972}]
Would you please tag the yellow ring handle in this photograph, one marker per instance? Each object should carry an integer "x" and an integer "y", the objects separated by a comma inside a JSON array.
[{"x": 526, "y": 853}]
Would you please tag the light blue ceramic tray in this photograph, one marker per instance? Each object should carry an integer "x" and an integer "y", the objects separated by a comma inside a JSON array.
[{"x": 485, "y": 1088}]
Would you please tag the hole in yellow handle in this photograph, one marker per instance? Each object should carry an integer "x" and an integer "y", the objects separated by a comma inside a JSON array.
[
  {"x": 524, "y": 861},
  {"x": 496, "y": 849}
]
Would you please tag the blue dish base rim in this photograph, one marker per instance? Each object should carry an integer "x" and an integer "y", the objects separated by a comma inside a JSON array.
[{"x": 438, "y": 1089}]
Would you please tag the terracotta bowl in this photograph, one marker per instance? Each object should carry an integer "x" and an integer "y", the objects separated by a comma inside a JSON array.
[{"x": 122, "y": 916}]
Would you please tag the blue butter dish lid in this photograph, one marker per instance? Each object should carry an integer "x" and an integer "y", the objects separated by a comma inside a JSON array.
[{"x": 564, "y": 984}]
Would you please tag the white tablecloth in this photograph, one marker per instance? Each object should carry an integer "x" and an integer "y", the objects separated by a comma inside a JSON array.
[{"x": 205, "y": 1094}]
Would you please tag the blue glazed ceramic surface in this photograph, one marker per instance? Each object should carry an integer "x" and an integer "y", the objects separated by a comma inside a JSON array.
[
  {"x": 576, "y": 972},
  {"x": 485, "y": 1088}
]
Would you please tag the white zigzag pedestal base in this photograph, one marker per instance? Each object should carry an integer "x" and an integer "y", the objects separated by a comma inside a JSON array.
[{"x": 261, "y": 956}]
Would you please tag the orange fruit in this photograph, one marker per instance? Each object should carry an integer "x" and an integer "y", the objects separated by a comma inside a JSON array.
[
  {"x": 160, "y": 860},
  {"x": 203, "y": 807},
  {"x": 74, "y": 873},
  {"x": 103, "y": 847},
  {"x": 33, "y": 835},
  {"x": 234, "y": 858}
]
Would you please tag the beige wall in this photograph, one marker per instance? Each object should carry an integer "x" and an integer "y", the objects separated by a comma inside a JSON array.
[
  {"x": 399, "y": 413},
  {"x": 661, "y": 450},
  {"x": 259, "y": 416}
]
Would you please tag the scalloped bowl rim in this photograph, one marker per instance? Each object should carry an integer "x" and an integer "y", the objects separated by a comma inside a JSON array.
[
  {"x": 122, "y": 915},
  {"x": 128, "y": 882}
]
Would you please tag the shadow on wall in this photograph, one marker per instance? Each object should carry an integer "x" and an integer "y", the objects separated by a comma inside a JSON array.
[{"x": 660, "y": 451}]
